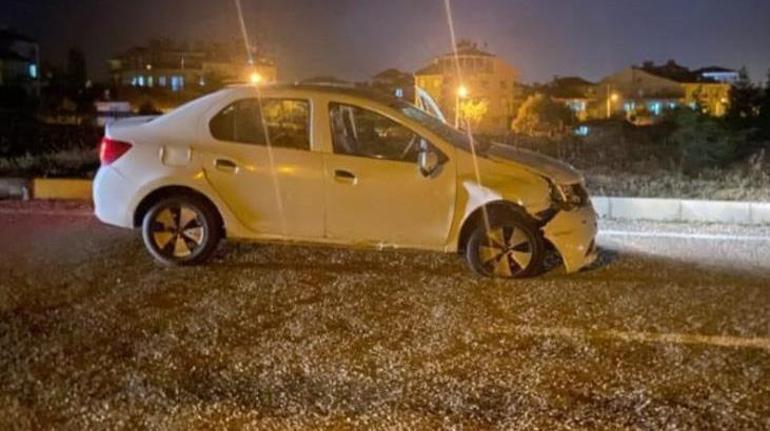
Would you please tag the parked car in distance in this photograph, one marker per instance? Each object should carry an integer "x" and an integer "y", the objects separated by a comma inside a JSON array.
[{"x": 332, "y": 165}]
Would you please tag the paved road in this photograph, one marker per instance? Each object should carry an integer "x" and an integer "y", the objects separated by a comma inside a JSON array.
[{"x": 670, "y": 330}]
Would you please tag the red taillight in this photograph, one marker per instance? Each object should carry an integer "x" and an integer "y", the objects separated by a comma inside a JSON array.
[{"x": 111, "y": 150}]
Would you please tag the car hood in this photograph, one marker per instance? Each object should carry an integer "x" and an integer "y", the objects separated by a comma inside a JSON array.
[{"x": 545, "y": 166}]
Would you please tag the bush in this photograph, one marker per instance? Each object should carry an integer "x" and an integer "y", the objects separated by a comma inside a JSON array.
[
  {"x": 540, "y": 115},
  {"x": 29, "y": 147},
  {"x": 703, "y": 142}
]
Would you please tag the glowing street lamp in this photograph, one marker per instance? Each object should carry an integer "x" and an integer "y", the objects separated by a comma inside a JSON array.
[
  {"x": 462, "y": 93},
  {"x": 612, "y": 98},
  {"x": 255, "y": 78}
]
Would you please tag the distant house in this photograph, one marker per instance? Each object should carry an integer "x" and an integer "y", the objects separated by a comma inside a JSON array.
[
  {"x": 649, "y": 90},
  {"x": 396, "y": 83},
  {"x": 718, "y": 74},
  {"x": 575, "y": 92},
  {"x": 19, "y": 62},
  {"x": 485, "y": 76},
  {"x": 163, "y": 66}
]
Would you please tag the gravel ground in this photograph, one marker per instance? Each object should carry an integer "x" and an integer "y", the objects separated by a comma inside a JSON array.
[{"x": 663, "y": 333}]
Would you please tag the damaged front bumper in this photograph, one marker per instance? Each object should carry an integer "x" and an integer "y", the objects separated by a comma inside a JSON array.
[{"x": 573, "y": 234}]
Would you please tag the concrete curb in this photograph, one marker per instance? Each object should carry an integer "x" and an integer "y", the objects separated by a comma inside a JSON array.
[
  {"x": 14, "y": 188},
  {"x": 683, "y": 210},
  {"x": 74, "y": 189},
  {"x": 655, "y": 209}
]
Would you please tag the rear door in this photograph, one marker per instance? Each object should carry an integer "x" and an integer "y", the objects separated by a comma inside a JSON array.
[{"x": 261, "y": 163}]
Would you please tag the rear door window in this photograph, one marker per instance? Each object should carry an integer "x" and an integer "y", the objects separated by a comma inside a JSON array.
[{"x": 282, "y": 123}]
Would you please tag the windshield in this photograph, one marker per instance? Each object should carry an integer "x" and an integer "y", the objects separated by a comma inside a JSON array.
[{"x": 457, "y": 138}]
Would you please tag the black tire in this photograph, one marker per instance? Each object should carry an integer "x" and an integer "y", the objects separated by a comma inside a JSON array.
[
  {"x": 174, "y": 244},
  {"x": 514, "y": 249}
]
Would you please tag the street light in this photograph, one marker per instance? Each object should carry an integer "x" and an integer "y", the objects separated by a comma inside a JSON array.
[
  {"x": 611, "y": 98},
  {"x": 462, "y": 93},
  {"x": 255, "y": 78}
]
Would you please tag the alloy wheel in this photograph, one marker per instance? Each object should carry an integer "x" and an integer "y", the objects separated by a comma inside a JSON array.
[
  {"x": 178, "y": 231},
  {"x": 505, "y": 252}
]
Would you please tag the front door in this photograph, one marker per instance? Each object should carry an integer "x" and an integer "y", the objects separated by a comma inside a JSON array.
[
  {"x": 375, "y": 192},
  {"x": 262, "y": 166}
]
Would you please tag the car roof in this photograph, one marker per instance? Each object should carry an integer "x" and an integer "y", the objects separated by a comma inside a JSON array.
[{"x": 328, "y": 89}]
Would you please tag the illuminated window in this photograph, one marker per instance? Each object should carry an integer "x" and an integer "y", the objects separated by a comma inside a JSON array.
[
  {"x": 177, "y": 83},
  {"x": 33, "y": 71},
  {"x": 162, "y": 81},
  {"x": 655, "y": 107},
  {"x": 140, "y": 81},
  {"x": 582, "y": 131},
  {"x": 150, "y": 81},
  {"x": 577, "y": 105},
  {"x": 399, "y": 92}
]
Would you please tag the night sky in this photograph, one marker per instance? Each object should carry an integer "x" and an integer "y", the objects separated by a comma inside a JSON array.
[{"x": 353, "y": 39}]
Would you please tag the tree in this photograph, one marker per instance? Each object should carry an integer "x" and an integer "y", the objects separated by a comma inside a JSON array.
[
  {"x": 473, "y": 112},
  {"x": 76, "y": 79},
  {"x": 745, "y": 98},
  {"x": 540, "y": 115},
  {"x": 763, "y": 119},
  {"x": 77, "y": 73}
]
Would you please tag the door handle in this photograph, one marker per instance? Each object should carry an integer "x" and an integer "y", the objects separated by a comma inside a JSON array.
[
  {"x": 225, "y": 165},
  {"x": 344, "y": 176}
]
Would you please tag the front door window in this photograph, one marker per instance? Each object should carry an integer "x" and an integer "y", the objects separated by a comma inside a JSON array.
[{"x": 363, "y": 133}]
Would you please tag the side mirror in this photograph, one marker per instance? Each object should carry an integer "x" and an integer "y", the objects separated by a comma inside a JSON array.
[{"x": 428, "y": 160}]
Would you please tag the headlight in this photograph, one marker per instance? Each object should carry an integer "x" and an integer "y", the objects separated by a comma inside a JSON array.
[{"x": 569, "y": 196}]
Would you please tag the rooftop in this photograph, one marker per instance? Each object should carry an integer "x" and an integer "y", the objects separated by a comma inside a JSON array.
[
  {"x": 431, "y": 69},
  {"x": 7, "y": 54},
  {"x": 7, "y": 34},
  {"x": 676, "y": 72},
  {"x": 468, "y": 48}
]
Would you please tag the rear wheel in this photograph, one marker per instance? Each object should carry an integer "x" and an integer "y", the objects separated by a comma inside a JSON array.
[
  {"x": 182, "y": 230},
  {"x": 511, "y": 247}
]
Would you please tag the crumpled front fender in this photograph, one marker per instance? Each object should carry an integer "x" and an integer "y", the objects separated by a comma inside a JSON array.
[{"x": 573, "y": 234}]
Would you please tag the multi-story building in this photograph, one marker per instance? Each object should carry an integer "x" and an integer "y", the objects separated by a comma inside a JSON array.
[
  {"x": 483, "y": 77},
  {"x": 182, "y": 67},
  {"x": 647, "y": 91},
  {"x": 19, "y": 62}
]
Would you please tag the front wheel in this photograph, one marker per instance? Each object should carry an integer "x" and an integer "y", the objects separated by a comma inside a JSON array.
[
  {"x": 510, "y": 246},
  {"x": 181, "y": 230}
]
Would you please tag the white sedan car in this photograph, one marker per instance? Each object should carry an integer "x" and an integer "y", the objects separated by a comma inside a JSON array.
[{"x": 331, "y": 165}]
